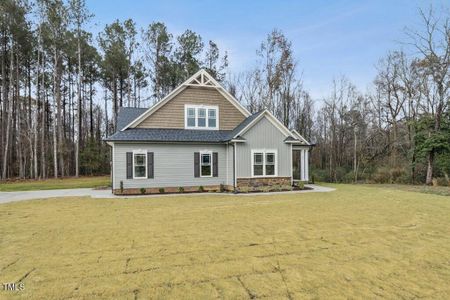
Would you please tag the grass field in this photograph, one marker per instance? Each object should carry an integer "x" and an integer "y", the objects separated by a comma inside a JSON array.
[
  {"x": 356, "y": 242},
  {"x": 51, "y": 184},
  {"x": 426, "y": 189}
]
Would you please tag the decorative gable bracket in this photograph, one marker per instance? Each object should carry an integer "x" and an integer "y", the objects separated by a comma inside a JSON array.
[{"x": 203, "y": 79}]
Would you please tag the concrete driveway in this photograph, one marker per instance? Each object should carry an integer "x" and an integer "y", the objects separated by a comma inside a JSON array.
[
  {"x": 29, "y": 195},
  {"x": 6, "y": 197}
]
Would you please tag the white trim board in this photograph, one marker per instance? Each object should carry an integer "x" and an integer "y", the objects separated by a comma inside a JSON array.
[
  {"x": 208, "y": 82},
  {"x": 300, "y": 136}
]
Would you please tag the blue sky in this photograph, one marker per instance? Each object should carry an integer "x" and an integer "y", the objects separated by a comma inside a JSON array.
[{"x": 330, "y": 38}]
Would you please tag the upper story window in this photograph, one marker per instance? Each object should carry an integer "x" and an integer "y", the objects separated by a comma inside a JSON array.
[{"x": 201, "y": 117}]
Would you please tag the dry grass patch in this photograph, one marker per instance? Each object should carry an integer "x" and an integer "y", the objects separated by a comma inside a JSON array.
[{"x": 355, "y": 242}]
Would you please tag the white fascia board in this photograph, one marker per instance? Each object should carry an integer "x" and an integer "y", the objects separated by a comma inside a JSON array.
[{"x": 300, "y": 136}]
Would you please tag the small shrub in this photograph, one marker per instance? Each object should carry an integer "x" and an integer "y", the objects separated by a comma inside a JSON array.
[
  {"x": 349, "y": 177},
  {"x": 340, "y": 174},
  {"x": 121, "y": 187},
  {"x": 222, "y": 188},
  {"x": 161, "y": 190},
  {"x": 244, "y": 189},
  {"x": 398, "y": 175},
  {"x": 301, "y": 185},
  {"x": 181, "y": 189},
  {"x": 143, "y": 191},
  {"x": 442, "y": 181},
  {"x": 201, "y": 189},
  {"x": 320, "y": 175},
  {"x": 381, "y": 175}
]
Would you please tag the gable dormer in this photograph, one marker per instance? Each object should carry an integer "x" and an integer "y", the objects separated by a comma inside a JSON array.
[{"x": 198, "y": 103}]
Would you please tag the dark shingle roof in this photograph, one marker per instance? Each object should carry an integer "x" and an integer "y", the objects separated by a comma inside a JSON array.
[
  {"x": 127, "y": 115},
  {"x": 170, "y": 135}
]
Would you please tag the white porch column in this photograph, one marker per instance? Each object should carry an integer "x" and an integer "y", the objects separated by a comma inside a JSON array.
[
  {"x": 302, "y": 164},
  {"x": 306, "y": 165}
]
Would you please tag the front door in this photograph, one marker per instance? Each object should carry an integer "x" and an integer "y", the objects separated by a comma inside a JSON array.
[{"x": 296, "y": 165}]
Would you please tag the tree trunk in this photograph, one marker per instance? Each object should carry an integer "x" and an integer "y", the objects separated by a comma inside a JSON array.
[
  {"x": 106, "y": 113},
  {"x": 8, "y": 120},
  {"x": 355, "y": 159},
  {"x": 43, "y": 126},
  {"x": 56, "y": 115},
  {"x": 78, "y": 134},
  {"x": 20, "y": 110},
  {"x": 3, "y": 116},
  {"x": 114, "y": 102},
  {"x": 430, "y": 160},
  {"x": 91, "y": 117}
]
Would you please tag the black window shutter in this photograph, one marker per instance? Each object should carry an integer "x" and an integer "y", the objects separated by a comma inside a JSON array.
[
  {"x": 196, "y": 164},
  {"x": 215, "y": 164},
  {"x": 150, "y": 165},
  {"x": 129, "y": 165}
]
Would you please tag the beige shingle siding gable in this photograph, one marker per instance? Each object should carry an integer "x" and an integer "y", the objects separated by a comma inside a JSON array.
[{"x": 171, "y": 115}]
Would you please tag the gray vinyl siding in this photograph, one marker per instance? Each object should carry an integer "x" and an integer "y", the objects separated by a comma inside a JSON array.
[
  {"x": 263, "y": 135},
  {"x": 173, "y": 165}
]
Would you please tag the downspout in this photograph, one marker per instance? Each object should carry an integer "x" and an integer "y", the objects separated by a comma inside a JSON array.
[
  {"x": 111, "y": 165},
  {"x": 112, "y": 168},
  {"x": 292, "y": 166},
  {"x": 234, "y": 167}
]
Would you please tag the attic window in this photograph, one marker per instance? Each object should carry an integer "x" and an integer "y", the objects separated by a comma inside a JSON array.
[{"x": 201, "y": 117}]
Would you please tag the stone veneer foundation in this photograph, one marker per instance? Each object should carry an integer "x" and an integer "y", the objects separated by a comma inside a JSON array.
[
  {"x": 263, "y": 183},
  {"x": 253, "y": 184}
]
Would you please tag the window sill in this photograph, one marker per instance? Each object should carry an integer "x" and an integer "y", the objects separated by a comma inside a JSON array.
[{"x": 201, "y": 128}]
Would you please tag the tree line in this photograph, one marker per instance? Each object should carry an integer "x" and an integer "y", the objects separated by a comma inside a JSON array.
[{"x": 62, "y": 87}]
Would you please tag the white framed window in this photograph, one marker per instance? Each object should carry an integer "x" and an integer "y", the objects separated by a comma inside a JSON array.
[
  {"x": 264, "y": 163},
  {"x": 139, "y": 164},
  {"x": 270, "y": 164},
  {"x": 190, "y": 117},
  {"x": 201, "y": 117},
  {"x": 206, "y": 164},
  {"x": 212, "y": 118},
  {"x": 258, "y": 164}
]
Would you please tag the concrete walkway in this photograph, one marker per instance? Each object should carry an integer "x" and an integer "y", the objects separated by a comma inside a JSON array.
[{"x": 6, "y": 197}]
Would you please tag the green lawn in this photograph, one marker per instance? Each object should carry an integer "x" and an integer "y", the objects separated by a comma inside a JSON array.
[
  {"x": 51, "y": 184},
  {"x": 356, "y": 242}
]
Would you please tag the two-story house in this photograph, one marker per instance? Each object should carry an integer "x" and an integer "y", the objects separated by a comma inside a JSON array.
[{"x": 200, "y": 137}]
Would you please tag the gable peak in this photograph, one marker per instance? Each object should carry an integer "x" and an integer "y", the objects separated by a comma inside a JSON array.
[{"x": 202, "y": 79}]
